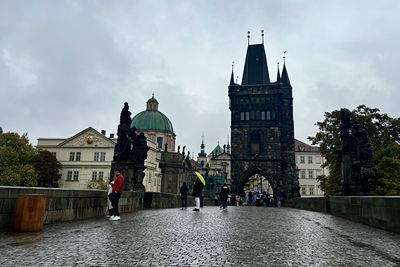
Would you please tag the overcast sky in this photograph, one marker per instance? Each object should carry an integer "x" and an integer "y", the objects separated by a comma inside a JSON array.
[{"x": 68, "y": 65}]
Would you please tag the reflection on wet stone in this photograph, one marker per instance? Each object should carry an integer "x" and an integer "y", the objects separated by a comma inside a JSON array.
[{"x": 243, "y": 236}]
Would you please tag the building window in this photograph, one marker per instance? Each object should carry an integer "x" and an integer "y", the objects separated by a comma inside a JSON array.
[
  {"x": 263, "y": 115},
  {"x": 318, "y": 172},
  {"x": 303, "y": 174},
  {"x": 318, "y": 160},
  {"x": 303, "y": 191},
  {"x": 159, "y": 142},
  {"x": 310, "y": 174},
  {"x": 302, "y": 160},
  {"x": 54, "y": 154},
  {"x": 295, "y": 159},
  {"x": 78, "y": 156},
  {"x": 76, "y": 175},
  {"x": 310, "y": 160},
  {"x": 311, "y": 190},
  {"x": 151, "y": 158},
  {"x": 247, "y": 115},
  {"x": 96, "y": 156},
  {"x": 69, "y": 175},
  {"x": 94, "y": 176},
  {"x": 71, "y": 156},
  {"x": 242, "y": 116},
  {"x": 103, "y": 156},
  {"x": 101, "y": 175},
  {"x": 149, "y": 177},
  {"x": 268, "y": 115}
]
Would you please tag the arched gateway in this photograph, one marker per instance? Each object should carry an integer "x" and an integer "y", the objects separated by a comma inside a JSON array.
[{"x": 262, "y": 130}]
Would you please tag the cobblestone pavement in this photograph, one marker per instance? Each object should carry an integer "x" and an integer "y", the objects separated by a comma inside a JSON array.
[{"x": 241, "y": 236}]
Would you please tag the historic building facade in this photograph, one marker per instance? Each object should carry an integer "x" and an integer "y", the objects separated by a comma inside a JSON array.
[
  {"x": 262, "y": 128},
  {"x": 309, "y": 163},
  {"x": 87, "y": 157}
]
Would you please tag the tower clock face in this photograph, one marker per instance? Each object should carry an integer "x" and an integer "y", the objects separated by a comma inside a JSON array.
[{"x": 89, "y": 139}]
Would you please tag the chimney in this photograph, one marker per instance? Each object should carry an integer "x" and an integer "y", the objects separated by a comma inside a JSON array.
[
  {"x": 111, "y": 135},
  {"x": 103, "y": 132}
]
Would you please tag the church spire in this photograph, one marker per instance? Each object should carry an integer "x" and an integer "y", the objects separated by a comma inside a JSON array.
[{"x": 202, "y": 146}]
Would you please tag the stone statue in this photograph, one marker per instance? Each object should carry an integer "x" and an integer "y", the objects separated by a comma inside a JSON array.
[
  {"x": 179, "y": 148},
  {"x": 363, "y": 149},
  {"x": 345, "y": 131},
  {"x": 140, "y": 148},
  {"x": 355, "y": 157},
  {"x": 123, "y": 147},
  {"x": 183, "y": 150}
]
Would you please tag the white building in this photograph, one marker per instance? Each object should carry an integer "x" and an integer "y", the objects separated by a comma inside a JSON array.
[
  {"x": 87, "y": 156},
  {"x": 308, "y": 162}
]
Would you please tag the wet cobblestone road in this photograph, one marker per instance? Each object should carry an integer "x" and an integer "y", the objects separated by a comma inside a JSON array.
[{"x": 242, "y": 236}]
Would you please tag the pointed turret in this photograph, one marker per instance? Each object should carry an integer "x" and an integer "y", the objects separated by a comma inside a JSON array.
[
  {"x": 278, "y": 75},
  {"x": 256, "y": 67},
  {"x": 202, "y": 146},
  {"x": 232, "y": 79},
  {"x": 285, "y": 77},
  {"x": 228, "y": 147}
]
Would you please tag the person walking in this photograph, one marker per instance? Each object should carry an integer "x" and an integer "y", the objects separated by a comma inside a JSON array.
[
  {"x": 197, "y": 188},
  {"x": 250, "y": 198},
  {"x": 184, "y": 193},
  {"x": 117, "y": 189},
  {"x": 224, "y": 195}
]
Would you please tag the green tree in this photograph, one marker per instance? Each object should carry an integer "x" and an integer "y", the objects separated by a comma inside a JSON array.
[
  {"x": 384, "y": 138},
  {"x": 16, "y": 155},
  {"x": 48, "y": 169}
]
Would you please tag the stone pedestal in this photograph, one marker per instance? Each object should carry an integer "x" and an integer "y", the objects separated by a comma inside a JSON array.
[
  {"x": 355, "y": 177},
  {"x": 133, "y": 174}
]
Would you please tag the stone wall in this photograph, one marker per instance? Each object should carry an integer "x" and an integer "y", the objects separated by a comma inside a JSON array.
[
  {"x": 379, "y": 212},
  {"x": 154, "y": 200},
  {"x": 76, "y": 204}
]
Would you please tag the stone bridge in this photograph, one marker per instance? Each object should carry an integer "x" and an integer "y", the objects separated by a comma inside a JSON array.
[{"x": 241, "y": 236}]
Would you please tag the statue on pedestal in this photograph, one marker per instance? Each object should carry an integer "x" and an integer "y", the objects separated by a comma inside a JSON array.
[
  {"x": 130, "y": 152},
  {"x": 355, "y": 156}
]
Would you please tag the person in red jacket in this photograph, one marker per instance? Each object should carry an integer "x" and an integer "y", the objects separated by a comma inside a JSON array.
[{"x": 117, "y": 189}]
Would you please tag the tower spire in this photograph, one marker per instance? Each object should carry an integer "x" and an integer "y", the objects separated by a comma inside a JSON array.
[
  {"x": 262, "y": 36},
  {"x": 285, "y": 77},
  {"x": 232, "y": 79},
  {"x": 278, "y": 75},
  {"x": 248, "y": 38}
]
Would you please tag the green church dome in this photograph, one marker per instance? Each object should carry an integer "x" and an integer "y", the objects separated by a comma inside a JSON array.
[{"x": 152, "y": 119}]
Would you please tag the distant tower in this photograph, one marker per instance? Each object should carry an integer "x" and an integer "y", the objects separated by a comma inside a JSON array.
[
  {"x": 202, "y": 146},
  {"x": 262, "y": 128},
  {"x": 228, "y": 147}
]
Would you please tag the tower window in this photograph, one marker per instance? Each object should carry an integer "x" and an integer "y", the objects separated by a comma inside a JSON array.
[
  {"x": 242, "y": 116},
  {"x": 159, "y": 142},
  {"x": 247, "y": 115},
  {"x": 263, "y": 115},
  {"x": 268, "y": 115}
]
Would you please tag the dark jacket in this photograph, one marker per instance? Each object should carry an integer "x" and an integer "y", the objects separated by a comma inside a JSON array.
[
  {"x": 197, "y": 188},
  {"x": 225, "y": 191},
  {"x": 184, "y": 190}
]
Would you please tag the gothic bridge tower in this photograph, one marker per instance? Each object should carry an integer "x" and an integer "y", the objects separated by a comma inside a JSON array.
[{"x": 262, "y": 129}]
